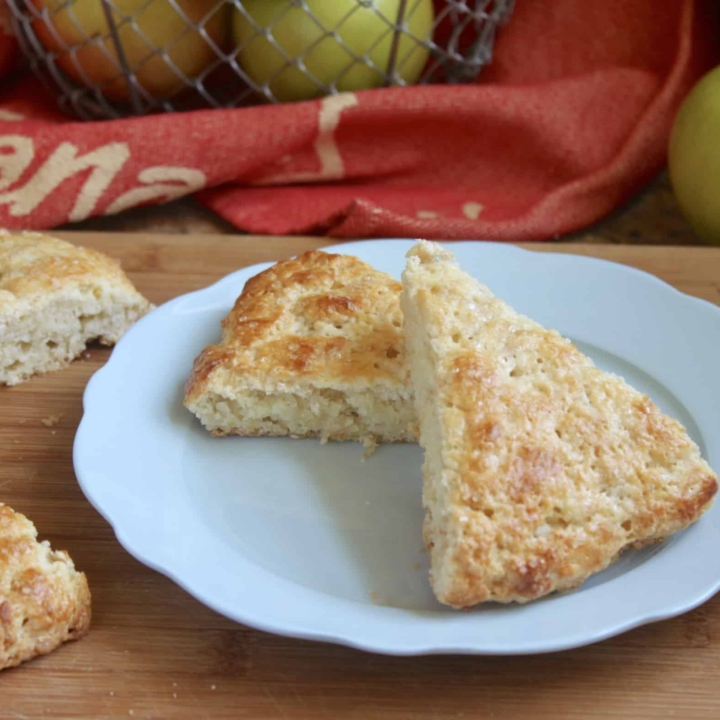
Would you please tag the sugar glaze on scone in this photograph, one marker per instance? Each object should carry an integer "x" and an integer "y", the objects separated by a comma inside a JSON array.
[
  {"x": 540, "y": 469},
  {"x": 44, "y": 601},
  {"x": 312, "y": 348},
  {"x": 54, "y": 298}
]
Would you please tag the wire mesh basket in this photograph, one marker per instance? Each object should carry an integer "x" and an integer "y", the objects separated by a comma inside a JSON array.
[{"x": 116, "y": 58}]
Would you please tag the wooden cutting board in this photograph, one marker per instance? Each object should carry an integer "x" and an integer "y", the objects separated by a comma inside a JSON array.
[{"x": 155, "y": 652}]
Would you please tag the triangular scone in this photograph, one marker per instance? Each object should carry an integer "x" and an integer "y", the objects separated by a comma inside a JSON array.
[
  {"x": 44, "y": 601},
  {"x": 54, "y": 298},
  {"x": 539, "y": 468},
  {"x": 312, "y": 348}
]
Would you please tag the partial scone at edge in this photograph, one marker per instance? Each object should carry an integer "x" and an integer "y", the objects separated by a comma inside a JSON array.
[
  {"x": 54, "y": 298},
  {"x": 540, "y": 469},
  {"x": 312, "y": 348},
  {"x": 44, "y": 601}
]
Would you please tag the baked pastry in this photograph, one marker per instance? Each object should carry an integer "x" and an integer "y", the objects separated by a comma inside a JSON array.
[
  {"x": 54, "y": 298},
  {"x": 540, "y": 469},
  {"x": 312, "y": 348},
  {"x": 44, "y": 601}
]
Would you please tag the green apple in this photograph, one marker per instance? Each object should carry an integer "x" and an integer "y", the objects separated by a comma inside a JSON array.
[
  {"x": 362, "y": 28},
  {"x": 159, "y": 25},
  {"x": 694, "y": 157}
]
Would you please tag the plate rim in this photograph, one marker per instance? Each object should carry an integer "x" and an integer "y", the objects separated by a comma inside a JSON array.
[{"x": 355, "y": 639}]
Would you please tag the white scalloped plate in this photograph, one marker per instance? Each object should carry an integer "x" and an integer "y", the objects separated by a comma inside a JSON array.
[{"x": 310, "y": 541}]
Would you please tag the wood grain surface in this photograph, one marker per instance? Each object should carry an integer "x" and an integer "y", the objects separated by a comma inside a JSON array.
[{"x": 155, "y": 652}]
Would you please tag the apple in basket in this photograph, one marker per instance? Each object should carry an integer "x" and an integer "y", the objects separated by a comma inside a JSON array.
[
  {"x": 300, "y": 50},
  {"x": 78, "y": 31}
]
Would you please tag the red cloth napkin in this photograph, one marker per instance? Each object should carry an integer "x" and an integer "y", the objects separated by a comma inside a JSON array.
[{"x": 572, "y": 117}]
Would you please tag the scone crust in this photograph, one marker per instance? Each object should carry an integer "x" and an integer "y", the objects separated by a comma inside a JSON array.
[
  {"x": 33, "y": 265},
  {"x": 44, "y": 601},
  {"x": 553, "y": 466},
  {"x": 319, "y": 319}
]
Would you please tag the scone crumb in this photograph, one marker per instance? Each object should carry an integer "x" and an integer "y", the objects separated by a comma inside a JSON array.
[
  {"x": 378, "y": 599},
  {"x": 369, "y": 446},
  {"x": 51, "y": 420}
]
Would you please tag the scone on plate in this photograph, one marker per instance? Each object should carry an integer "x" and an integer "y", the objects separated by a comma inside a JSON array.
[
  {"x": 540, "y": 469},
  {"x": 54, "y": 298},
  {"x": 312, "y": 348},
  {"x": 44, "y": 601}
]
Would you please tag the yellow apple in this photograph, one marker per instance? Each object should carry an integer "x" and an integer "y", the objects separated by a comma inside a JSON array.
[
  {"x": 694, "y": 157},
  {"x": 160, "y": 24},
  {"x": 358, "y": 27}
]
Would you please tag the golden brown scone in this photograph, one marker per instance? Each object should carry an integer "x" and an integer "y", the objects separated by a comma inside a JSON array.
[
  {"x": 539, "y": 468},
  {"x": 44, "y": 601},
  {"x": 54, "y": 298},
  {"x": 313, "y": 348}
]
